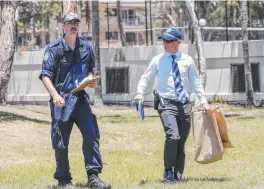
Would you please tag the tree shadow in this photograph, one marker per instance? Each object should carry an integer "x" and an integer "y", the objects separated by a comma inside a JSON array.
[
  {"x": 152, "y": 116},
  {"x": 249, "y": 117},
  {"x": 81, "y": 185},
  {"x": 7, "y": 116},
  {"x": 109, "y": 116},
  {"x": 208, "y": 179},
  {"x": 232, "y": 115},
  {"x": 187, "y": 179},
  {"x": 78, "y": 185}
]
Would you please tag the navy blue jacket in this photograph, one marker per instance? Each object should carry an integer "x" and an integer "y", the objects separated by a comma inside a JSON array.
[{"x": 83, "y": 64}]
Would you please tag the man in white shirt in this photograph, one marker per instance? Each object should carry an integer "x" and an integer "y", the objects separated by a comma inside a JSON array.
[{"x": 174, "y": 71}]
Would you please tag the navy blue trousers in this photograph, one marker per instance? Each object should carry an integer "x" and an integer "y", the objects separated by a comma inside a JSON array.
[{"x": 82, "y": 116}]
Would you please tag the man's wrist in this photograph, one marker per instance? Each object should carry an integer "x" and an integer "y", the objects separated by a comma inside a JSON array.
[
  {"x": 203, "y": 101},
  {"x": 54, "y": 94}
]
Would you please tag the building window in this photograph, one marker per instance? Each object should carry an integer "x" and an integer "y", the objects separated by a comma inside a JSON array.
[
  {"x": 110, "y": 12},
  {"x": 111, "y": 35},
  {"x": 238, "y": 82},
  {"x": 117, "y": 80},
  {"x": 129, "y": 17},
  {"x": 131, "y": 38}
]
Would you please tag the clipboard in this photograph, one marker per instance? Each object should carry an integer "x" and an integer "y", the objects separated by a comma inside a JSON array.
[{"x": 84, "y": 84}]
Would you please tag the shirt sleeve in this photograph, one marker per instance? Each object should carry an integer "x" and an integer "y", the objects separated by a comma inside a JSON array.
[
  {"x": 48, "y": 64},
  {"x": 147, "y": 76},
  {"x": 92, "y": 61},
  {"x": 196, "y": 83}
]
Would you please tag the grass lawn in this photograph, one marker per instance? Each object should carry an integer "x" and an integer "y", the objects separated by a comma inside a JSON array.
[{"x": 132, "y": 151}]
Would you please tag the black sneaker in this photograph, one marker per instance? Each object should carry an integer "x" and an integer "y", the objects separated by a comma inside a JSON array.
[
  {"x": 168, "y": 176},
  {"x": 94, "y": 182},
  {"x": 65, "y": 184},
  {"x": 179, "y": 177}
]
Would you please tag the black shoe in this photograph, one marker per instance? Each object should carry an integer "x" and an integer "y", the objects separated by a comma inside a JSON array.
[
  {"x": 94, "y": 182},
  {"x": 179, "y": 177},
  {"x": 168, "y": 176},
  {"x": 65, "y": 184}
]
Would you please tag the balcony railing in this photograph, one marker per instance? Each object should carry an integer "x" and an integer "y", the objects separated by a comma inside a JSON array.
[{"x": 133, "y": 21}]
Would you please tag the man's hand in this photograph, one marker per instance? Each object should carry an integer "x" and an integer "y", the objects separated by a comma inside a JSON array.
[
  {"x": 206, "y": 106},
  {"x": 58, "y": 100},
  {"x": 92, "y": 84},
  {"x": 139, "y": 97}
]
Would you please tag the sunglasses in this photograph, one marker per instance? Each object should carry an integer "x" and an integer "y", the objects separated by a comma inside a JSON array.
[
  {"x": 72, "y": 23},
  {"x": 169, "y": 41}
]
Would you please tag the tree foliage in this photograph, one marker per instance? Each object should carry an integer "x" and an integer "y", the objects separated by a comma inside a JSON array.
[{"x": 40, "y": 10}]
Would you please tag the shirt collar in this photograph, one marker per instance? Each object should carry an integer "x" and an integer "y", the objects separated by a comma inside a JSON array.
[
  {"x": 67, "y": 48},
  {"x": 178, "y": 54}
]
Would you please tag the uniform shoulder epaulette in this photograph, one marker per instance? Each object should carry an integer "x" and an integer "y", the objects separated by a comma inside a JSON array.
[
  {"x": 55, "y": 43},
  {"x": 82, "y": 39}
]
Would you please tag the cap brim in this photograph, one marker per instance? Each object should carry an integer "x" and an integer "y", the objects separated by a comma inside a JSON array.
[
  {"x": 168, "y": 37},
  {"x": 75, "y": 19}
]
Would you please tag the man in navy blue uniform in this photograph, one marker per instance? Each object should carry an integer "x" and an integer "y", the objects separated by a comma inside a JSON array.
[{"x": 67, "y": 61}]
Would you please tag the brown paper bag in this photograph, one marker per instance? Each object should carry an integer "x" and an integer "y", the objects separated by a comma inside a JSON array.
[
  {"x": 222, "y": 127},
  {"x": 207, "y": 141}
]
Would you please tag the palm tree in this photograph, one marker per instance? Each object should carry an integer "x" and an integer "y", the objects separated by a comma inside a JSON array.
[
  {"x": 247, "y": 67},
  {"x": 120, "y": 23},
  {"x": 96, "y": 46},
  {"x": 7, "y": 48},
  {"x": 199, "y": 42}
]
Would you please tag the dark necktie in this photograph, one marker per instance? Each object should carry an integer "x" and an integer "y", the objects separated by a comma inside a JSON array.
[{"x": 180, "y": 93}]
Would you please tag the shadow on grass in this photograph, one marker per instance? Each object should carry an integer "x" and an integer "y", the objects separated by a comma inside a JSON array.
[
  {"x": 123, "y": 119},
  {"x": 232, "y": 115},
  {"x": 76, "y": 186},
  {"x": 7, "y": 116},
  {"x": 238, "y": 116},
  {"x": 248, "y": 117},
  {"x": 208, "y": 179}
]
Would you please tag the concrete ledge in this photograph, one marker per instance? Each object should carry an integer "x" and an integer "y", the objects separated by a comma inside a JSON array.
[{"x": 25, "y": 87}]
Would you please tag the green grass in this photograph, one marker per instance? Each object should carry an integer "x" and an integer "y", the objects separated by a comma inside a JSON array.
[{"x": 132, "y": 151}]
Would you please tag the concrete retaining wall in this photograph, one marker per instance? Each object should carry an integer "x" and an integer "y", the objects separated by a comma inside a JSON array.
[{"x": 25, "y": 87}]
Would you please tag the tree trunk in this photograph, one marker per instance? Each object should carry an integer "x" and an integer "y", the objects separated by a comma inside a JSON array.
[
  {"x": 120, "y": 24},
  {"x": 68, "y": 6},
  {"x": 247, "y": 67},
  {"x": 88, "y": 14},
  {"x": 7, "y": 48},
  {"x": 199, "y": 41},
  {"x": 96, "y": 46},
  {"x": 33, "y": 25}
]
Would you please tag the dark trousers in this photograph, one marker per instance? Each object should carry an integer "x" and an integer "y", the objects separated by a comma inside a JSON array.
[
  {"x": 175, "y": 118},
  {"x": 82, "y": 116}
]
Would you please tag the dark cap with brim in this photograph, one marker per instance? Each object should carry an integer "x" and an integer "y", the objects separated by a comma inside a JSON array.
[
  {"x": 71, "y": 16},
  {"x": 171, "y": 34}
]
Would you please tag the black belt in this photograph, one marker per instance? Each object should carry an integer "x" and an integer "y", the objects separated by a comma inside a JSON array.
[{"x": 175, "y": 100}]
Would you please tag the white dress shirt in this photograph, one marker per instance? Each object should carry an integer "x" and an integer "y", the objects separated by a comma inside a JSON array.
[{"x": 161, "y": 66}]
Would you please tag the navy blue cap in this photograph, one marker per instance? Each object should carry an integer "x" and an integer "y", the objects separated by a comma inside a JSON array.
[
  {"x": 70, "y": 17},
  {"x": 171, "y": 34}
]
